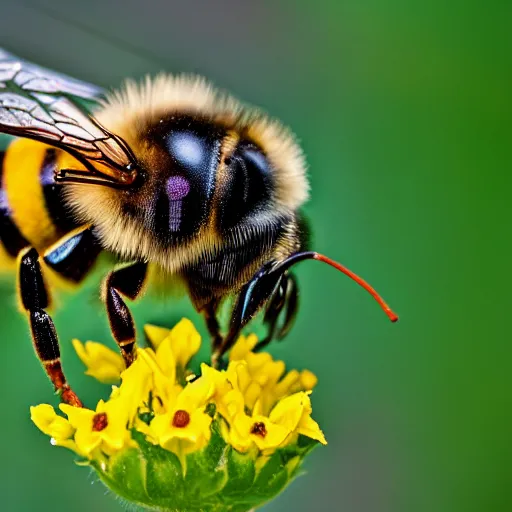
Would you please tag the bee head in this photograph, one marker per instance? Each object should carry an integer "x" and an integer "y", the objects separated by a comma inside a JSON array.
[{"x": 207, "y": 168}]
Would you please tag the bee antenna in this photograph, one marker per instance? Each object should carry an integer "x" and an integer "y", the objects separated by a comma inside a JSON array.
[{"x": 300, "y": 256}]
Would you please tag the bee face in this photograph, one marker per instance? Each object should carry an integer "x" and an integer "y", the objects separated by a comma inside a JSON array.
[
  {"x": 197, "y": 174},
  {"x": 207, "y": 169},
  {"x": 179, "y": 161}
]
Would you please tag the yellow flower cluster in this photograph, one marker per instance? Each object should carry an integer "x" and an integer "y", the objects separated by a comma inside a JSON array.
[{"x": 255, "y": 401}]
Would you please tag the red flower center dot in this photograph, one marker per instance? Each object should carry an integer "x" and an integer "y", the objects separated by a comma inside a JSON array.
[
  {"x": 259, "y": 429},
  {"x": 181, "y": 419},
  {"x": 99, "y": 422}
]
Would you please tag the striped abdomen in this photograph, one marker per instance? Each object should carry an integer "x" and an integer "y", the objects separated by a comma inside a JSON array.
[{"x": 32, "y": 210}]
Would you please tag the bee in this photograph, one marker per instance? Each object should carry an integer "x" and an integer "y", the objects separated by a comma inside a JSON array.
[{"x": 170, "y": 174}]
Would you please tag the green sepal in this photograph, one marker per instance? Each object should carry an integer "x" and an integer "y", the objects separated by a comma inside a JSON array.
[{"x": 216, "y": 478}]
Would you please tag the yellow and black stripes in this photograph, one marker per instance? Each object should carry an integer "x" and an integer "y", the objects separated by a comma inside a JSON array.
[
  {"x": 53, "y": 194},
  {"x": 34, "y": 211},
  {"x": 11, "y": 238}
]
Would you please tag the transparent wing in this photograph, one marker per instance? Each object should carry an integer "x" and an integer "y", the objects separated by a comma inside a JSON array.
[{"x": 41, "y": 104}]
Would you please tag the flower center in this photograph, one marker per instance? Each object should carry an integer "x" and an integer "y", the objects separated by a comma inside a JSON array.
[
  {"x": 181, "y": 419},
  {"x": 259, "y": 429},
  {"x": 99, "y": 422}
]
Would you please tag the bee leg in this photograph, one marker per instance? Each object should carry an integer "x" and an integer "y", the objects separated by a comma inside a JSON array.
[
  {"x": 285, "y": 298},
  {"x": 212, "y": 324},
  {"x": 272, "y": 313},
  {"x": 292, "y": 307},
  {"x": 127, "y": 281},
  {"x": 252, "y": 297},
  {"x": 35, "y": 299}
]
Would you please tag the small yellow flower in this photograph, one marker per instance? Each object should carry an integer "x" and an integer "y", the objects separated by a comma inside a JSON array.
[
  {"x": 240, "y": 377},
  {"x": 233, "y": 388},
  {"x": 183, "y": 340},
  {"x": 253, "y": 407},
  {"x": 137, "y": 382},
  {"x": 156, "y": 334},
  {"x": 50, "y": 423},
  {"x": 218, "y": 380},
  {"x": 259, "y": 430},
  {"x": 185, "y": 427},
  {"x": 102, "y": 363},
  {"x": 244, "y": 430},
  {"x": 104, "y": 428},
  {"x": 264, "y": 378},
  {"x": 162, "y": 368},
  {"x": 243, "y": 346},
  {"x": 294, "y": 413}
]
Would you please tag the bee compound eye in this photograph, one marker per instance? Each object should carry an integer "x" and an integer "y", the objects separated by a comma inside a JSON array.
[{"x": 249, "y": 185}]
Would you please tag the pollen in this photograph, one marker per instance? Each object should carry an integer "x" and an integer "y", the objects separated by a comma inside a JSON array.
[
  {"x": 99, "y": 422},
  {"x": 181, "y": 419},
  {"x": 259, "y": 429}
]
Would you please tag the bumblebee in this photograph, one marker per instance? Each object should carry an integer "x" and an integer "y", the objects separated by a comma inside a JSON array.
[{"x": 170, "y": 174}]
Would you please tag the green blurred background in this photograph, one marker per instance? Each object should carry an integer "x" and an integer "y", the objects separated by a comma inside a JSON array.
[{"x": 404, "y": 112}]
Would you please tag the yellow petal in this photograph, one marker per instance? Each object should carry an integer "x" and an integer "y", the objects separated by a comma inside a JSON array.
[
  {"x": 308, "y": 380},
  {"x": 103, "y": 364},
  {"x": 135, "y": 387},
  {"x": 274, "y": 371},
  {"x": 288, "y": 411},
  {"x": 252, "y": 393},
  {"x": 217, "y": 378},
  {"x": 309, "y": 427},
  {"x": 79, "y": 417},
  {"x": 163, "y": 385},
  {"x": 116, "y": 434},
  {"x": 256, "y": 362},
  {"x": 87, "y": 440},
  {"x": 197, "y": 431},
  {"x": 242, "y": 347},
  {"x": 195, "y": 394},
  {"x": 238, "y": 374},
  {"x": 166, "y": 359},
  {"x": 47, "y": 421},
  {"x": 156, "y": 334},
  {"x": 294, "y": 412},
  {"x": 239, "y": 432},
  {"x": 283, "y": 387},
  {"x": 185, "y": 341},
  {"x": 69, "y": 444},
  {"x": 160, "y": 427},
  {"x": 194, "y": 435},
  {"x": 231, "y": 404},
  {"x": 275, "y": 434}
]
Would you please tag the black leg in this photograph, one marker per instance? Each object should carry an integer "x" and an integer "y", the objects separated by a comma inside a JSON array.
[
  {"x": 285, "y": 298},
  {"x": 253, "y": 296},
  {"x": 292, "y": 306},
  {"x": 212, "y": 324},
  {"x": 273, "y": 311},
  {"x": 35, "y": 299},
  {"x": 127, "y": 281}
]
